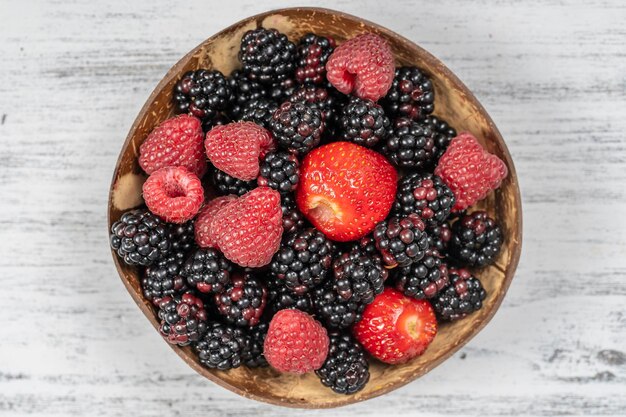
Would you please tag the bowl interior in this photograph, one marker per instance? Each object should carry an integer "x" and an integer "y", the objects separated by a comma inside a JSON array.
[{"x": 453, "y": 102}]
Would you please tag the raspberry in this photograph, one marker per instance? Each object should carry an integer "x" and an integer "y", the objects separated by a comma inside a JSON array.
[
  {"x": 235, "y": 148},
  {"x": 204, "y": 239},
  {"x": 470, "y": 171},
  {"x": 363, "y": 65},
  {"x": 248, "y": 229},
  {"x": 175, "y": 142},
  {"x": 173, "y": 193},
  {"x": 295, "y": 342}
]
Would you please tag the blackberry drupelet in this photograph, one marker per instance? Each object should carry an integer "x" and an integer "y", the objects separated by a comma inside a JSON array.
[
  {"x": 207, "y": 270},
  {"x": 259, "y": 111},
  {"x": 297, "y": 127},
  {"x": 303, "y": 260},
  {"x": 279, "y": 297},
  {"x": 243, "y": 300},
  {"x": 140, "y": 238},
  {"x": 439, "y": 237},
  {"x": 411, "y": 145},
  {"x": 363, "y": 122},
  {"x": 182, "y": 237},
  {"x": 424, "y": 278},
  {"x": 280, "y": 171},
  {"x": 346, "y": 369},
  {"x": 202, "y": 93},
  {"x": 281, "y": 91},
  {"x": 443, "y": 134},
  {"x": 464, "y": 295},
  {"x": 476, "y": 239},
  {"x": 401, "y": 240},
  {"x": 425, "y": 195},
  {"x": 311, "y": 57},
  {"x": 225, "y": 184},
  {"x": 333, "y": 310},
  {"x": 358, "y": 277},
  {"x": 253, "y": 354},
  {"x": 411, "y": 94},
  {"x": 292, "y": 218},
  {"x": 164, "y": 278},
  {"x": 222, "y": 347},
  {"x": 183, "y": 318},
  {"x": 244, "y": 90},
  {"x": 267, "y": 55},
  {"x": 318, "y": 97},
  {"x": 219, "y": 120}
]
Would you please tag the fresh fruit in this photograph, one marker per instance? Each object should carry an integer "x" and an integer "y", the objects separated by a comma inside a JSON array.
[
  {"x": 174, "y": 194},
  {"x": 280, "y": 297},
  {"x": 292, "y": 218},
  {"x": 248, "y": 230},
  {"x": 318, "y": 97},
  {"x": 222, "y": 347},
  {"x": 363, "y": 65},
  {"x": 140, "y": 238},
  {"x": 183, "y": 318},
  {"x": 311, "y": 57},
  {"x": 476, "y": 239},
  {"x": 207, "y": 271},
  {"x": 333, "y": 310},
  {"x": 279, "y": 170},
  {"x": 219, "y": 120},
  {"x": 439, "y": 237},
  {"x": 358, "y": 277},
  {"x": 363, "y": 122},
  {"x": 203, "y": 235},
  {"x": 164, "y": 278},
  {"x": 396, "y": 328},
  {"x": 242, "y": 301},
  {"x": 470, "y": 171},
  {"x": 297, "y": 127},
  {"x": 202, "y": 93},
  {"x": 401, "y": 240},
  {"x": 266, "y": 55},
  {"x": 259, "y": 111},
  {"x": 236, "y": 148},
  {"x": 227, "y": 184},
  {"x": 425, "y": 195},
  {"x": 444, "y": 133},
  {"x": 345, "y": 370},
  {"x": 295, "y": 342},
  {"x": 345, "y": 189},
  {"x": 464, "y": 295},
  {"x": 411, "y": 94},
  {"x": 282, "y": 90},
  {"x": 411, "y": 145},
  {"x": 182, "y": 237},
  {"x": 424, "y": 278},
  {"x": 253, "y": 354},
  {"x": 244, "y": 90}
]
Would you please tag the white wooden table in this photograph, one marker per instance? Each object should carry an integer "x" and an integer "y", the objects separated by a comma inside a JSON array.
[{"x": 73, "y": 75}]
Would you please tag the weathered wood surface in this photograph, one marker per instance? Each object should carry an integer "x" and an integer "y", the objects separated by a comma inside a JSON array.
[{"x": 74, "y": 75}]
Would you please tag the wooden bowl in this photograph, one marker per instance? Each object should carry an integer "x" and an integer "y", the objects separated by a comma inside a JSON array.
[{"x": 453, "y": 102}]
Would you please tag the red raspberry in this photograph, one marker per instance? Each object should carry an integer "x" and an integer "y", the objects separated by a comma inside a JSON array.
[
  {"x": 236, "y": 148},
  {"x": 248, "y": 229},
  {"x": 202, "y": 225},
  {"x": 295, "y": 342},
  {"x": 174, "y": 194},
  {"x": 175, "y": 142},
  {"x": 363, "y": 65},
  {"x": 469, "y": 170}
]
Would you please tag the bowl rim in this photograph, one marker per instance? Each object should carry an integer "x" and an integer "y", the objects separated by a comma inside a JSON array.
[{"x": 185, "y": 352}]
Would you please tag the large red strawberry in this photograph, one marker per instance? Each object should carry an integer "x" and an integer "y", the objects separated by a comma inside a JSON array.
[{"x": 345, "y": 189}]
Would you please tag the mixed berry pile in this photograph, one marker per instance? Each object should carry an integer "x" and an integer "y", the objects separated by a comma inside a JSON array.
[{"x": 309, "y": 212}]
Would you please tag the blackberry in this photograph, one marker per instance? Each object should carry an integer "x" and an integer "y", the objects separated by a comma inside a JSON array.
[
  {"x": 358, "y": 277},
  {"x": 207, "y": 271},
  {"x": 303, "y": 260},
  {"x": 363, "y": 122},
  {"x": 182, "y": 237},
  {"x": 424, "y": 278},
  {"x": 244, "y": 90},
  {"x": 164, "y": 278},
  {"x": 318, "y": 97},
  {"x": 219, "y": 120},
  {"x": 346, "y": 369},
  {"x": 297, "y": 127},
  {"x": 333, "y": 310},
  {"x": 140, "y": 238},
  {"x": 267, "y": 55},
  {"x": 253, "y": 354},
  {"x": 259, "y": 111},
  {"x": 225, "y": 184},
  {"x": 222, "y": 347},
  {"x": 464, "y": 295},
  {"x": 443, "y": 134},
  {"x": 401, "y": 240},
  {"x": 439, "y": 237},
  {"x": 183, "y": 318},
  {"x": 311, "y": 57},
  {"x": 425, "y": 195},
  {"x": 411, "y": 94},
  {"x": 476, "y": 239},
  {"x": 279, "y": 297},
  {"x": 279, "y": 170},
  {"x": 242, "y": 301},
  {"x": 411, "y": 145},
  {"x": 292, "y": 218},
  {"x": 202, "y": 93},
  {"x": 281, "y": 91}
]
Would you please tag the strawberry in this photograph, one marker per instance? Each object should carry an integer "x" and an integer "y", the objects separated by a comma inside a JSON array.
[
  {"x": 345, "y": 189},
  {"x": 396, "y": 328}
]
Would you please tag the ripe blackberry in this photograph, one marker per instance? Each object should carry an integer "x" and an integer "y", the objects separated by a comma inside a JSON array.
[
  {"x": 219, "y": 120},
  {"x": 242, "y": 301},
  {"x": 425, "y": 195},
  {"x": 279, "y": 297},
  {"x": 439, "y": 237},
  {"x": 358, "y": 277},
  {"x": 411, "y": 94},
  {"x": 253, "y": 354},
  {"x": 182, "y": 237},
  {"x": 476, "y": 239},
  {"x": 443, "y": 134},
  {"x": 207, "y": 271},
  {"x": 411, "y": 145},
  {"x": 424, "y": 278},
  {"x": 318, "y": 97},
  {"x": 281, "y": 91},
  {"x": 363, "y": 122},
  {"x": 222, "y": 347},
  {"x": 202, "y": 93},
  {"x": 244, "y": 90},
  {"x": 279, "y": 170},
  {"x": 346, "y": 369},
  {"x": 183, "y": 318},
  {"x": 303, "y": 260},
  {"x": 164, "y": 278},
  {"x": 401, "y": 240},
  {"x": 311, "y": 57},
  {"x": 259, "y": 111},
  {"x": 464, "y": 295},
  {"x": 225, "y": 184},
  {"x": 140, "y": 238},
  {"x": 292, "y": 218},
  {"x": 297, "y": 127},
  {"x": 267, "y": 55},
  {"x": 333, "y": 310}
]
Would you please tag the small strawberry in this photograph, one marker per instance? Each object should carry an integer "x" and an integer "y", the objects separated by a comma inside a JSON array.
[
  {"x": 396, "y": 328},
  {"x": 202, "y": 225},
  {"x": 345, "y": 189},
  {"x": 174, "y": 194},
  {"x": 469, "y": 171},
  {"x": 236, "y": 148}
]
